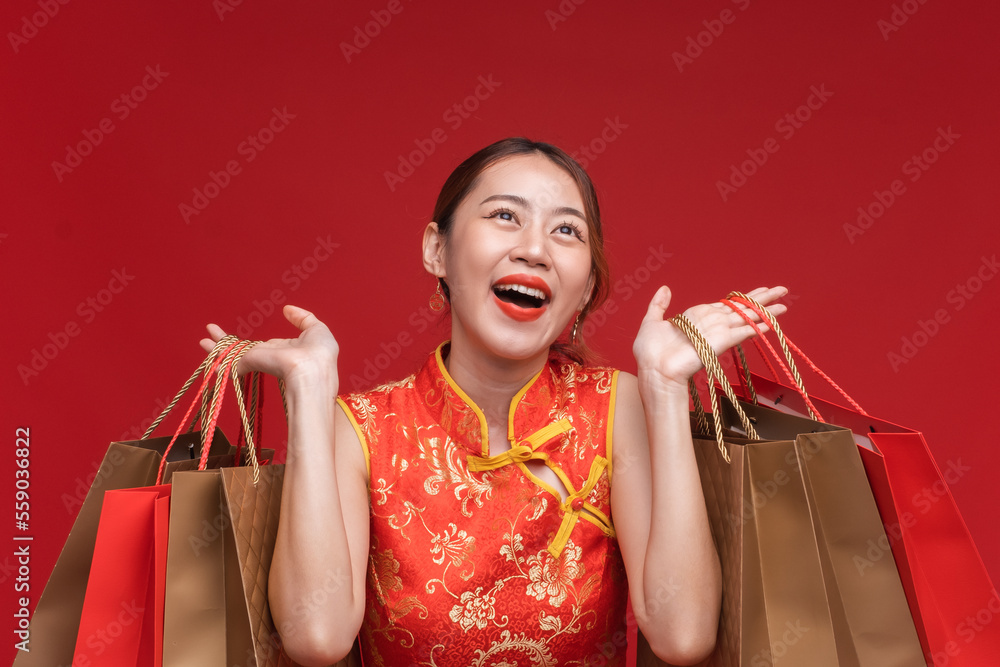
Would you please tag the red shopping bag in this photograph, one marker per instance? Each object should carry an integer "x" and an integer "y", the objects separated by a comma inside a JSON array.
[
  {"x": 951, "y": 596},
  {"x": 122, "y": 619}
]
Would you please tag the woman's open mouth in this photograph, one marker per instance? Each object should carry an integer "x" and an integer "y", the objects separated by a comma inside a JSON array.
[{"x": 521, "y": 297}]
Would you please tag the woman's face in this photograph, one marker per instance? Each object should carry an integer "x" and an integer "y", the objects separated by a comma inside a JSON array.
[{"x": 517, "y": 260}]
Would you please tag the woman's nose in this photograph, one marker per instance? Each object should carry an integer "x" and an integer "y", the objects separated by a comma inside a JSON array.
[{"x": 531, "y": 246}]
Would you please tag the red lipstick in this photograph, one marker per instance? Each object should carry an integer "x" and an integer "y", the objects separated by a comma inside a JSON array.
[{"x": 520, "y": 313}]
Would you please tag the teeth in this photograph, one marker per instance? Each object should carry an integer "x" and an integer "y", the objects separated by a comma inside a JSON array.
[{"x": 529, "y": 291}]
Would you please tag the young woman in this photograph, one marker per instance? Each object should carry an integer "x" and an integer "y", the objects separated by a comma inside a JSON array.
[{"x": 499, "y": 506}]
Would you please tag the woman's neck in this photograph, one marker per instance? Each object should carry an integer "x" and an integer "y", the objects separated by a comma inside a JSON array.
[{"x": 491, "y": 382}]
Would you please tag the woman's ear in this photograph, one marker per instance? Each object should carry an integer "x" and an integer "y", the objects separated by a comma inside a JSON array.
[{"x": 434, "y": 250}]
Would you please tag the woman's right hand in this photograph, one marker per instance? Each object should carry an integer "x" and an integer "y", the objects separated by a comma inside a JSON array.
[{"x": 300, "y": 362}]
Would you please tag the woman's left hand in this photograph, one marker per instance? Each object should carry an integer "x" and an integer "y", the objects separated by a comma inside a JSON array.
[{"x": 665, "y": 356}]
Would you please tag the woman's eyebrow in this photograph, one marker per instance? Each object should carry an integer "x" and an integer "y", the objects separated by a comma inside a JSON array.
[
  {"x": 523, "y": 203},
  {"x": 517, "y": 199}
]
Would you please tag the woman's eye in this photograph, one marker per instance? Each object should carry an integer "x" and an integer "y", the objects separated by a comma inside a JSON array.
[
  {"x": 502, "y": 214},
  {"x": 572, "y": 230}
]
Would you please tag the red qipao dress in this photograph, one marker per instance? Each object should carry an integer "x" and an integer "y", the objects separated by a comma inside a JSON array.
[{"x": 474, "y": 560}]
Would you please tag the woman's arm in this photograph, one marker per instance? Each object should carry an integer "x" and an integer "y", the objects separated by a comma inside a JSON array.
[
  {"x": 675, "y": 582},
  {"x": 317, "y": 577}
]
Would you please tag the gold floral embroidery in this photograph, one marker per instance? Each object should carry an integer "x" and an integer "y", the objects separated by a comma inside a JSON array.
[
  {"x": 382, "y": 490},
  {"x": 365, "y": 413},
  {"x": 551, "y": 576},
  {"x": 383, "y": 570},
  {"x": 536, "y": 651},
  {"x": 600, "y": 496},
  {"x": 454, "y": 544},
  {"x": 448, "y": 468},
  {"x": 474, "y": 609}
]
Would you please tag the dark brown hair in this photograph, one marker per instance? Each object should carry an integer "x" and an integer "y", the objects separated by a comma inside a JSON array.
[{"x": 464, "y": 179}]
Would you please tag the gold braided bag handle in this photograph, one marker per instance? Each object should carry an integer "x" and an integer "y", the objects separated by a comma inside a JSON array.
[
  {"x": 699, "y": 409},
  {"x": 251, "y": 453},
  {"x": 711, "y": 361},
  {"x": 203, "y": 368},
  {"x": 715, "y": 374},
  {"x": 747, "y": 379},
  {"x": 772, "y": 322}
]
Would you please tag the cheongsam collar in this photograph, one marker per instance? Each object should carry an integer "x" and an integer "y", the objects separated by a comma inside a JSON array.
[{"x": 529, "y": 424}]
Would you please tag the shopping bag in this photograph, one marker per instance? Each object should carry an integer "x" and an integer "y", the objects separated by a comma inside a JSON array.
[
  {"x": 813, "y": 467},
  {"x": 946, "y": 583},
  {"x": 223, "y": 525},
  {"x": 948, "y": 588},
  {"x": 126, "y": 464},
  {"x": 56, "y": 617},
  {"x": 253, "y": 509},
  {"x": 873, "y": 624},
  {"x": 253, "y": 516},
  {"x": 125, "y": 587},
  {"x": 774, "y": 601}
]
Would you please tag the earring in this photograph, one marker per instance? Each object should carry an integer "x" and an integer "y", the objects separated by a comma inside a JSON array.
[
  {"x": 576, "y": 330},
  {"x": 437, "y": 299}
]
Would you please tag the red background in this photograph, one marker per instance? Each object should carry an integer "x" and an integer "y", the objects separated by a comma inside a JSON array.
[{"x": 679, "y": 129}]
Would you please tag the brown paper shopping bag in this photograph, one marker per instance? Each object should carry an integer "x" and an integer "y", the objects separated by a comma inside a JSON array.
[
  {"x": 774, "y": 602},
  {"x": 253, "y": 510},
  {"x": 223, "y": 525},
  {"x": 872, "y": 620},
  {"x": 804, "y": 509}
]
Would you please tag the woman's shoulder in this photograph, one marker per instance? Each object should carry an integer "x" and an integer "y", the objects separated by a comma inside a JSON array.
[{"x": 381, "y": 391}]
